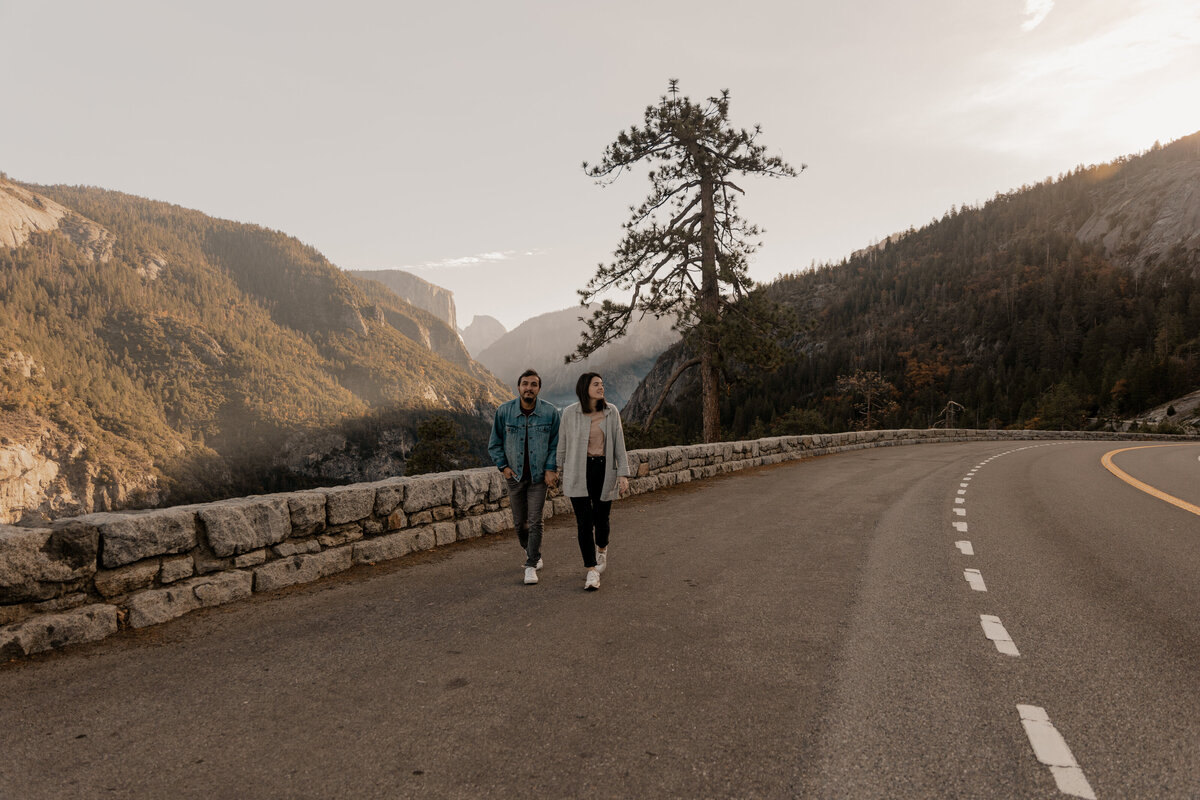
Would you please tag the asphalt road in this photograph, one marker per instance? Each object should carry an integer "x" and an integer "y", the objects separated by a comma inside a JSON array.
[{"x": 804, "y": 630}]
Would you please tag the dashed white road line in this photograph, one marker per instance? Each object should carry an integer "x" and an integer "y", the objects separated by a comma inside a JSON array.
[
  {"x": 962, "y": 491},
  {"x": 994, "y": 630},
  {"x": 1051, "y": 749},
  {"x": 965, "y": 547},
  {"x": 959, "y": 500},
  {"x": 961, "y": 527},
  {"x": 974, "y": 578},
  {"x": 962, "y": 512}
]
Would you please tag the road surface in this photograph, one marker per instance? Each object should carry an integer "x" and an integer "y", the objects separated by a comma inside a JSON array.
[{"x": 806, "y": 630}]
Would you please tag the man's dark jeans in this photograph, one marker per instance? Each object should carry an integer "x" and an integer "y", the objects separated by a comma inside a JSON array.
[{"x": 527, "y": 499}]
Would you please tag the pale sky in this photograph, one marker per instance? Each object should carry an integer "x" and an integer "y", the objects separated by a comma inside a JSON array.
[{"x": 446, "y": 137}]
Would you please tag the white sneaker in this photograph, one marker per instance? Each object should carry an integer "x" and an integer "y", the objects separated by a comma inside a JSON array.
[
  {"x": 593, "y": 580},
  {"x": 539, "y": 566},
  {"x": 601, "y": 560},
  {"x": 530, "y": 575}
]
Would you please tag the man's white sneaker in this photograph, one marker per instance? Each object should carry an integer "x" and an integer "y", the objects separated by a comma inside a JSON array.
[
  {"x": 601, "y": 560},
  {"x": 539, "y": 566},
  {"x": 593, "y": 580},
  {"x": 530, "y": 575}
]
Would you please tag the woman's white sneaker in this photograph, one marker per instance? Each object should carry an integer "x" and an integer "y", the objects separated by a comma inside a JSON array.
[
  {"x": 601, "y": 560},
  {"x": 593, "y": 580}
]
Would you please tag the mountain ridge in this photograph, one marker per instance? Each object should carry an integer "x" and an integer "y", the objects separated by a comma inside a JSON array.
[
  {"x": 1074, "y": 302},
  {"x": 162, "y": 355}
]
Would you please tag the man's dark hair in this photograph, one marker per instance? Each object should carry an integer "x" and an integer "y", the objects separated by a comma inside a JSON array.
[
  {"x": 527, "y": 373},
  {"x": 581, "y": 391}
]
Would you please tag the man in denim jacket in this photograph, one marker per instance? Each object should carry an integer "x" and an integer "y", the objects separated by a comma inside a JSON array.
[{"x": 524, "y": 445}]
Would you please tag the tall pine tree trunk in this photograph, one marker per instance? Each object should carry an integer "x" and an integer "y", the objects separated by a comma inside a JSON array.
[{"x": 710, "y": 308}]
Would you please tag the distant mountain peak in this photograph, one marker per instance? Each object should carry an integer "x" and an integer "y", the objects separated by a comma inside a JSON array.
[{"x": 482, "y": 333}]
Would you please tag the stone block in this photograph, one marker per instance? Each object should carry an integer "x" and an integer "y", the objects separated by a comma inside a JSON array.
[
  {"x": 426, "y": 492},
  {"x": 41, "y": 563},
  {"x": 396, "y": 520},
  {"x": 442, "y": 513},
  {"x": 472, "y": 487},
  {"x": 496, "y": 521},
  {"x": 343, "y": 534},
  {"x": 420, "y": 518},
  {"x": 389, "y": 495},
  {"x": 126, "y": 538},
  {"x": 372, "y": 527},
  {"x": 445, "y": 533},
  {"x": 469, "y": 528},
  {"x": 302, "y": 569},
  {"x": 52, "y": 631},
  {"x": 123, "y": 580},
  {"x": 497, "y": 490},
  {"x": 160, "y": 605},
  {"x": 562, "y": 505},
  {"x": 251, "y": 559},
  {"x": 176, "y": 569},
  {"x": 239, "y": 526},
  {"x": 288, "y": 549},
  {"x": 61, "y": 603},
  {"x": 385, "y": 548},
  {"x": 349, "y": 503},
  {"x": 307, "y": 513},
  {"x": 424, "y": 538},
  {"x": 643, "y": 485},
  {"x": 206, "y": 565},
  {"x": 635, "y": 459}
]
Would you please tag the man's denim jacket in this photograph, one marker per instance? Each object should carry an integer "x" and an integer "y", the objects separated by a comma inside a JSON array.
[{"x": 507, "y": 444}]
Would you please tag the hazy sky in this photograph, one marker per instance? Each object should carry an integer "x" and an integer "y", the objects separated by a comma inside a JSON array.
[{"x": 446, "y": 137}]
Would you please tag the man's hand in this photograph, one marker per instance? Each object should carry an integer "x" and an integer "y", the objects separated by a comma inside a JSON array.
[
  {"x": 551, "y": 478},
  {"x": 508, "y": 473}
]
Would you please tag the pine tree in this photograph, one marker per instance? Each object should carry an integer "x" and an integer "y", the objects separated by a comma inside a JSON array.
[
  {"x": 440, "y": 447},
  {"x": 685, "y": 248}
]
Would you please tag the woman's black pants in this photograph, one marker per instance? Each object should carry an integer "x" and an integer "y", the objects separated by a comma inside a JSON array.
[{"x": 591, "y": 513}]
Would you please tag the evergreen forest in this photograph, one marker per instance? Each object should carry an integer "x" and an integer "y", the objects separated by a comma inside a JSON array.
[{"x": 1068, "y": 305}]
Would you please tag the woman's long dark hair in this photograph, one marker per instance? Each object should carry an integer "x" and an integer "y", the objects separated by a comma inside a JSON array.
[{"x": 581, "y": 391}]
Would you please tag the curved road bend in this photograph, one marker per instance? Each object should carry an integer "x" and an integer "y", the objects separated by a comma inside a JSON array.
[{"x": 805, "y": 630}]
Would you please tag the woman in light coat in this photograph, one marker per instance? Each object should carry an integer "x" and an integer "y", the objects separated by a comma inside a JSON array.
[{"x": 593, "y": 468}]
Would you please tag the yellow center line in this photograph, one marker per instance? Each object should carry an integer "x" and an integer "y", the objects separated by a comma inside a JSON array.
[{"x": 1107, "y": 461}]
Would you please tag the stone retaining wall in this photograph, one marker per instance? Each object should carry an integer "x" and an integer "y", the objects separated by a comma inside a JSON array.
[{"x": 84, "y": 578}]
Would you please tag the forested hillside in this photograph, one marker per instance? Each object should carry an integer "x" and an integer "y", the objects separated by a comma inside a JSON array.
[
  {"x": 1069, "y": 304},
  {"x": 192, "y": 357}
]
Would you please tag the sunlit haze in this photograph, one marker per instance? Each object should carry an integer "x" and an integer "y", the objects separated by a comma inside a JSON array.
[{"x": 446, "y": 138}]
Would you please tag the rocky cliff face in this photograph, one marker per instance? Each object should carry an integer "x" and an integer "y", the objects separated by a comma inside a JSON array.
[
  {"x": 45, "y": 474},
  {"x": 421, "y": 293},
  {"x": 1147, "y": 213},
  {"x": 23, "y": 213},
  {"x": 481, "y": 334}
]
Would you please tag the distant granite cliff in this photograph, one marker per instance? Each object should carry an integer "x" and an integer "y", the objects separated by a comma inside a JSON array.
[
  {"x": 481, "y": 334},
  {"x": 421, "y": 293}
]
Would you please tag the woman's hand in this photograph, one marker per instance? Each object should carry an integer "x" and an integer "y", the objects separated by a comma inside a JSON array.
[{"x": 622, "y": 485}]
